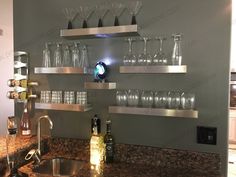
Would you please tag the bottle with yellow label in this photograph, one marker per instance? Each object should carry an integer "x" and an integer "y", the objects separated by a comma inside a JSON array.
[{"x": 25, "y": 124}]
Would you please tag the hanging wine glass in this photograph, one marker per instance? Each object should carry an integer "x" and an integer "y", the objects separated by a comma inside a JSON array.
[
  {"x": 129, "y": 58},
  {"x": 70, "y": 15},
  {"x": 133, "y": 7},
  {"x": 145, "y": 58},
  {"x": 101, "y": 11},
  {"x": 85, "y": 12},
  {"x": 160, "y": 58},
  {"x": 75, "y": 55},
  {"x": 117, "y": 9}
]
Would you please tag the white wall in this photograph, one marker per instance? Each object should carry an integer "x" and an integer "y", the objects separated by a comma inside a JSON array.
[{"x": 6, "y": 61}]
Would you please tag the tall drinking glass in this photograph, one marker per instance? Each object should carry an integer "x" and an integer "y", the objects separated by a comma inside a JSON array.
[
  {"x": 66, "y": 59},
  {"x": 84, "y": 57},
  {"x": 177, "y": 50},
  {"x": 76, "y": 55},
  {"x": 57, "y": 58},
  {"x": 46, "y": 56}
]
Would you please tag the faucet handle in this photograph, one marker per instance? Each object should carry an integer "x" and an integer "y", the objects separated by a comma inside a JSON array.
[{"x": 33, "y": 153}]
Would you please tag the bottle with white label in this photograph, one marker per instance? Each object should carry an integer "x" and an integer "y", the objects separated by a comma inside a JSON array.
[{"x": 25, "y": 124}]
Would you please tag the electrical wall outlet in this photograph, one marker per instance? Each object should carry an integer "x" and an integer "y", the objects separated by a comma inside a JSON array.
[{"x": 206, "y": 135}]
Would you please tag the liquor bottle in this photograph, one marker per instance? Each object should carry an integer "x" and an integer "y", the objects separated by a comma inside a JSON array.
[
  {"x": 96, "y": 142},
  {"x": 25, "y": 124},
  {"x": 20, "y": 95},
  {"x": 20, "y": 83},
  {"x": 109, "y": 144}
]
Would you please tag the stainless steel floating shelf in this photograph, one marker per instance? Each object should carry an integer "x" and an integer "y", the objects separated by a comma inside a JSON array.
[
  {"x": 63, "y": 107},
  {"x": 62, "y": 70},
  {"x": 154, "y": 69},
  {"x": 100, "y": 85},
  {"x": 153, "y": 111},
  {"x": 101, "y": 32}
]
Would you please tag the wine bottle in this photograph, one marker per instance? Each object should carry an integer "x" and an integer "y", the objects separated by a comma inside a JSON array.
[
  {"x": 25, "y": 124},
  {"x": 20, "y": 95},
  {"x": 109, "y": 144},
  {"x": 20, "y": 83}
]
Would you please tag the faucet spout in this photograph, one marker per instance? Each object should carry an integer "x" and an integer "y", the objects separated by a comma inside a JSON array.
[{"x": 39, "y": 130}]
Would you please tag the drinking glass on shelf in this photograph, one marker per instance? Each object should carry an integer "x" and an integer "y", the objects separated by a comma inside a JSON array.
[
  {"x": 45, "y": 96},
  {"x": 177, "y": 50},
  {"x": 46, "y": 56},
  {"x": 85, "y": 12},
  {"x": 160, "y": 58},
  {"x": 70, "y": 15},
  {"x": 56, "y": 97},
  {"x": 173, "y": 100},
  {"x": 133, "y": 7},
  {"x": 81, "y": 97},
  {"x": 57, "y": 61},
  {"x": 147, "y": 98},
  {"x": 121, "y": 98},
  {"x": 144, "y": 58},
  {"x": 66, "y": 59},
  {"x": 133, "y": 98},
  {"x": 187, "y": 101},
  {"x": 160, "y": 99},
  {"x": 69, "y": 97},
  {"x": 75, "y": 55},
  {"x": 101, "y": 11},
  {"x": 129, "y": 58},
  {"x": 84, "y": 57},
  {"x": 117, "y": 9}
]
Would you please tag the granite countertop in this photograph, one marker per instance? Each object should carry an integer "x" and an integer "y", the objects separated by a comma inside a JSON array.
[{"x": 121, "y": 169}]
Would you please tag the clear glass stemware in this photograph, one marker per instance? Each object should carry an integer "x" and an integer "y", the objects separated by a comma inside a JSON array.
[
  {"x": 46, "y": 56},
  {"x": 160, "y": 58},
  {"x": 177, "y": 50},
  {"x": 76, "y": 55},
  {"x": 144, "y": 58},
  {"x": 84, "y": 57},
  {"x": 101, "y": 11},
  {"x": 129, "y": 58},
  {"x": 57, "y": 57},
  {"x": 133, "y": 7},
  {"x": 70, "y": 15},
  {"x": 117, "y": 9},
  {"x": 66, "y": 59},
  {"x": 85, "y": 12}
]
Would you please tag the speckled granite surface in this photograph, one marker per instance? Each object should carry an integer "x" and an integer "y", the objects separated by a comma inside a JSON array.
[
  {"x": 130, "y": 160},
  {"x": 136, "y": 161}
]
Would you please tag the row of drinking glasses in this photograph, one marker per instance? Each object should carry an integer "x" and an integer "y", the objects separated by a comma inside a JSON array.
[
  {"x": 116, "y": 9},
  {"x": 159, "y": 57},
  {"x": 66, "y": 97},
  {"x": 158, "y": 99},
  {"x": 65, "y": 56}
]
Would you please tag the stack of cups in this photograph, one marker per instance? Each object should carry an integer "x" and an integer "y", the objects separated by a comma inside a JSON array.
[
  {"x": 81, "y": 98},
  {"x": 45, "y": 96},
  {"x": 69, "y": 97},
  {"x": 56, "y": 97}
]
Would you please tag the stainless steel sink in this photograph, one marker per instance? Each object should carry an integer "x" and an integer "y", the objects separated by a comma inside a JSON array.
[{"x": 58, "y": 167}]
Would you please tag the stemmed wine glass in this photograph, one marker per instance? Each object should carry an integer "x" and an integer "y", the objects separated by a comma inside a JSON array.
[
  {"x": 116, "y": 10},
  {"x": 133, "y": 7},
  {"x": 145, "y": 58},
  {"x": 70, "y": 15},
  {"x": 84, "y": 13},
  {"x": 101, "y": 11},
  {"x": 130, "y": 58},
  {"x": 160, "y": 58}
]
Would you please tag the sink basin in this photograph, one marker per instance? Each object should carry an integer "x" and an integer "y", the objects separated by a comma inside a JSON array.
[{"x": 58, "y": 167}]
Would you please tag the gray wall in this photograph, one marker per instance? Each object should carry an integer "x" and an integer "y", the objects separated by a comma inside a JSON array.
[{"x": 206, "y": 45}]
